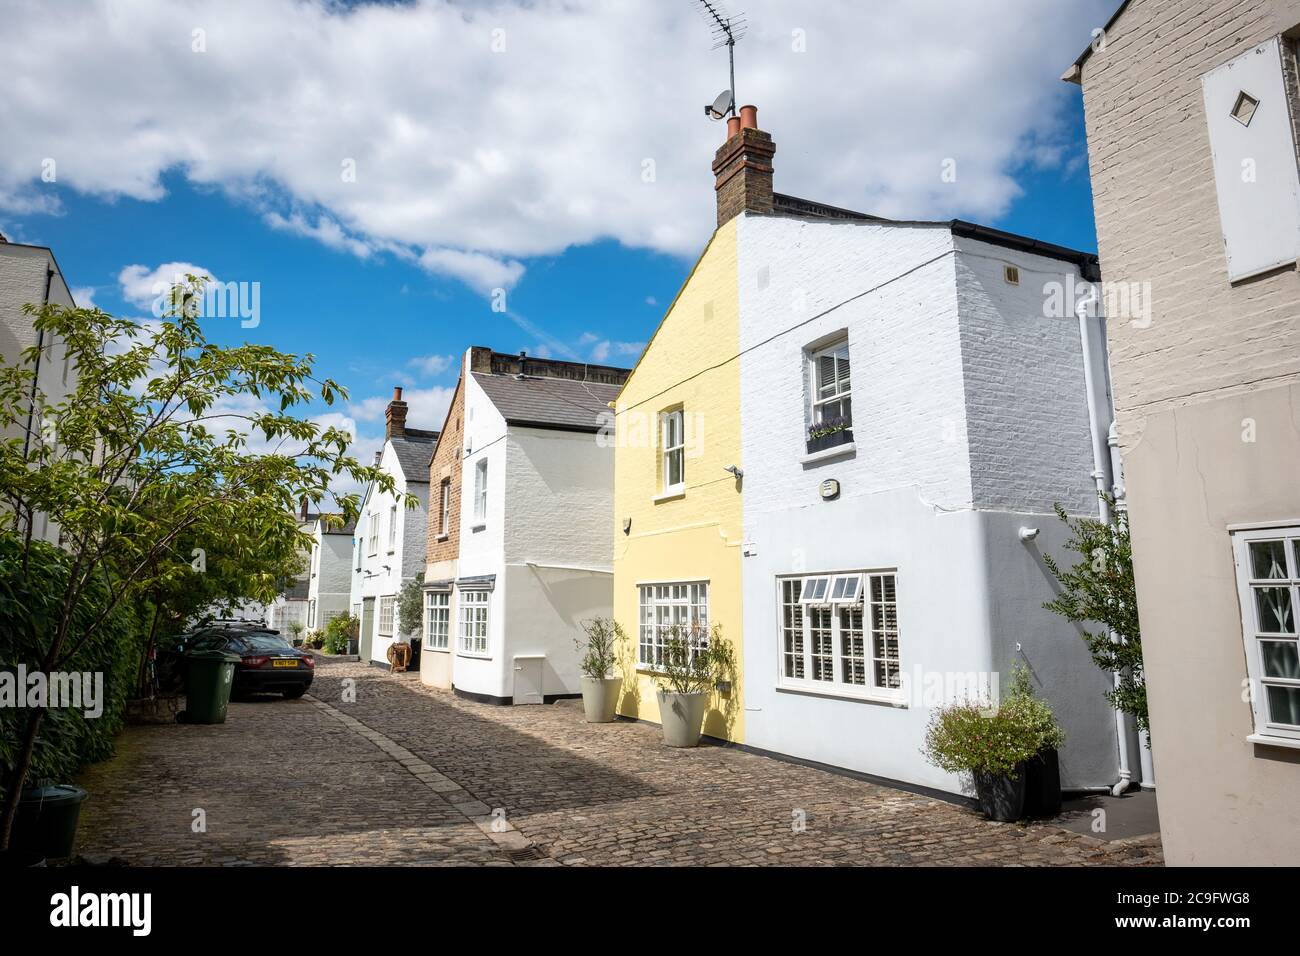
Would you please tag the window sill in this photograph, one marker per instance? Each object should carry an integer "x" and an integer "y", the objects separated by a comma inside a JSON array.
[
  {"x": 443, "y": 537},
  {"x": 1265, "y": 740},
  {"x": 672, "y": 494},
  {"x": 473, "y": 656},
  {"x": 437, "y": 650},
  {"x": 896, "y": 699},
  {"x": 476, "y": 528},
  {"x": 826, "y": 454}
]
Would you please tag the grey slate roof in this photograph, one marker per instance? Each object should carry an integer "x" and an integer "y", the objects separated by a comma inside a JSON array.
[
  {"x": 414, "y": 452},
  {"x": 544, "y": 402}
]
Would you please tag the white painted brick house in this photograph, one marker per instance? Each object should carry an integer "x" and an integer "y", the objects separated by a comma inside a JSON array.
[
  {"x": 30, "y": 275},
  {"x": 968, "y": 421},
  {"x": 536, "y": 513},
  {"x": 329, "y": 572},
  {"x": 388, "y": 548}
]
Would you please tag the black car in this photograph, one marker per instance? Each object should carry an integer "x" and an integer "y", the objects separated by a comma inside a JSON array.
[{"x": 267, "y": 661}]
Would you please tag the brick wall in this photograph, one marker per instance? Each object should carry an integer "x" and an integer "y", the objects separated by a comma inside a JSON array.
[
  {"x": 446, "y": 464},
  {"x": 1158, "y": 218}
]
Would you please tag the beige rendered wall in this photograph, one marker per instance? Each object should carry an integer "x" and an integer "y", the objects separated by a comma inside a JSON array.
[{"x": 1214, "y": 358}]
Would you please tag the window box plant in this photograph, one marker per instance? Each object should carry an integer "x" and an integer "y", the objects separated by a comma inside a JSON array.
[
  {"x": 598, "y": 654},
  {"x": 694, "y": 663},
  {"x": 996, "y": 746},
  {"x": 830, "y": 433}
]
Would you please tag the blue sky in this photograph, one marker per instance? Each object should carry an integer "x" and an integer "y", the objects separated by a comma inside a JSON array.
[{"x": 503, "y": 144}]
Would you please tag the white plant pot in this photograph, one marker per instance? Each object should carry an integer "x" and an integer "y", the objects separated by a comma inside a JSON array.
[
  {"x": 600, "y": 698},
  {"x": 682, "y": 717}
]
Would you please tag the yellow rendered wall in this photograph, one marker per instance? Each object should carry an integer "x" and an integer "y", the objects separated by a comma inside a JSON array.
[{"x": 696, "y": 537}]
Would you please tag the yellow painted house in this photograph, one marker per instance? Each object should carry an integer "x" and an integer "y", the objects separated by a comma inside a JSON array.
[{"x": 677, "y": 549}]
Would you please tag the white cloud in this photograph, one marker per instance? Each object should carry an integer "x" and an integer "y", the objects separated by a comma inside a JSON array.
[
  {"x": 432, "y": 364},
  {"x": 142, "y": 285},
  {"x": 480, "y": 272},
  {"x": 84, "y": 296},
  {"x": 325, "y": 230},
  {"x": 427, "y": 407},
  {"x": 484, "y": 159}
]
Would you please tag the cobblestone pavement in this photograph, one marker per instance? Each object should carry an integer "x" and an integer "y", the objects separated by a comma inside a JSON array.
[{"x": 409, "y": 775}]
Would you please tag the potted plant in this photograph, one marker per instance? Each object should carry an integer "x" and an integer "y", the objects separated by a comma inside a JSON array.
[
  {"x": 598, "y": 653},
  {"x": 830, "y": 433},
  {"x": 997, "y": 747},
  {"x": 694, "y": 662},
  {"x": 295, "y": 630},
  {"x": 1043, "y": 770}
]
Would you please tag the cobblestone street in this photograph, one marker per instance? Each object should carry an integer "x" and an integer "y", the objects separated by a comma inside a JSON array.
[{"x": 409, "y": 775}]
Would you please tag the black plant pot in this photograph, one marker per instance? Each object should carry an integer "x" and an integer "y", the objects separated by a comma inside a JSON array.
[
  {"x": 20, "y": 859},
  {"x": 46, "y": 822},
  {"x": 833, "y": 440},
  {"x": 354, "y": 646},
  {"x": 1043, "y": 785},
  {"x": 1001, "y": 798}
]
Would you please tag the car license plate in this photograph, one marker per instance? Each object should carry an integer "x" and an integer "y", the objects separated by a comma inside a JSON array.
[{"x": 292, "y": 662}]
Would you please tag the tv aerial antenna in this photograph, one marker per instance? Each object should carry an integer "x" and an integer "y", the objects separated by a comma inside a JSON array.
[{"x": 726, "y": 31}]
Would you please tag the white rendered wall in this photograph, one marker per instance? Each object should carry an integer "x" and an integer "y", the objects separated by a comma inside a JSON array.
[{"x": 559, "y": 491}]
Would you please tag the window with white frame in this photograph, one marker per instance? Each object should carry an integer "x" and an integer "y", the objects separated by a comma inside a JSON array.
[
  {"x": 437, "y": 619},
  {"x": 672, "y": 442},
  {"x": 311, "y": 613},
  {"x": 667, "y": 609},
  {"x": 473, "y": 621},
  {"x": 386, "y": 615},
  {"x": 315, "y": 559},
  {"x": 392, "y": 529},
  {"x": 839, "y": 633},
  {"x": 480, "y": 491},
  {"x": 828, "y": 376},
  {"x": 1268, "y": 579},
  {"x": 444, "y": 509},
  {"x": 372, "y": 524}
]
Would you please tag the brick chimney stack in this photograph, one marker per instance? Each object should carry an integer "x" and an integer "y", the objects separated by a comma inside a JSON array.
[
  {"x": 396, "y": 416},
  {"x": 743, "y": 167}
]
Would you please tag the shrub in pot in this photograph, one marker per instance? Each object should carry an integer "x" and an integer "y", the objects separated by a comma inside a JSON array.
[
  {"x": 598, "y": 653},
  {"x": 829, "y": 434},
  {"x": 694, "y": 662},
  {"x": 1042, "y": 771},
  {"x": 995, "y": 747}
]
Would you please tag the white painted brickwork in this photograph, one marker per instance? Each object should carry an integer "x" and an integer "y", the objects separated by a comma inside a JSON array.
[
  {"x": 1026, "y": 405},
  {"x": 909, "y": 418}
]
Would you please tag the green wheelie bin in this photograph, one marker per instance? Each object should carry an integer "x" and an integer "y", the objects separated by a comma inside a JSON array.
[{"x": 207, "y": 686}]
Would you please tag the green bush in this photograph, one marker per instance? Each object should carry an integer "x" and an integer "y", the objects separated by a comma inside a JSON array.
[
  {"x": 30, "y": 599},
  {"x": 339, "y": 631},
  {"x": 971, "y": 737}
]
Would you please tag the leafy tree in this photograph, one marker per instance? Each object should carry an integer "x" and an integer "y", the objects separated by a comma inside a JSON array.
[
  {"x": 410, "y": 606},
  {"x": 167, "y": 439},
  {"x": 1100, "y": 589}
]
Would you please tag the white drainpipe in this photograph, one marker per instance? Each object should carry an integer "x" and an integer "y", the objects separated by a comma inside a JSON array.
[
  {"x": 1121, "y": 504},
  {"x": 1101, "y": 473}
]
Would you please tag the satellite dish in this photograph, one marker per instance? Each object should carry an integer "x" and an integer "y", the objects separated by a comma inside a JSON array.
[{"x": 720, "y": 107}]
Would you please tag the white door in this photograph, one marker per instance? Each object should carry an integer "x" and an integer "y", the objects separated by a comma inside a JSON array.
[{"x": 528, "y": 680}]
